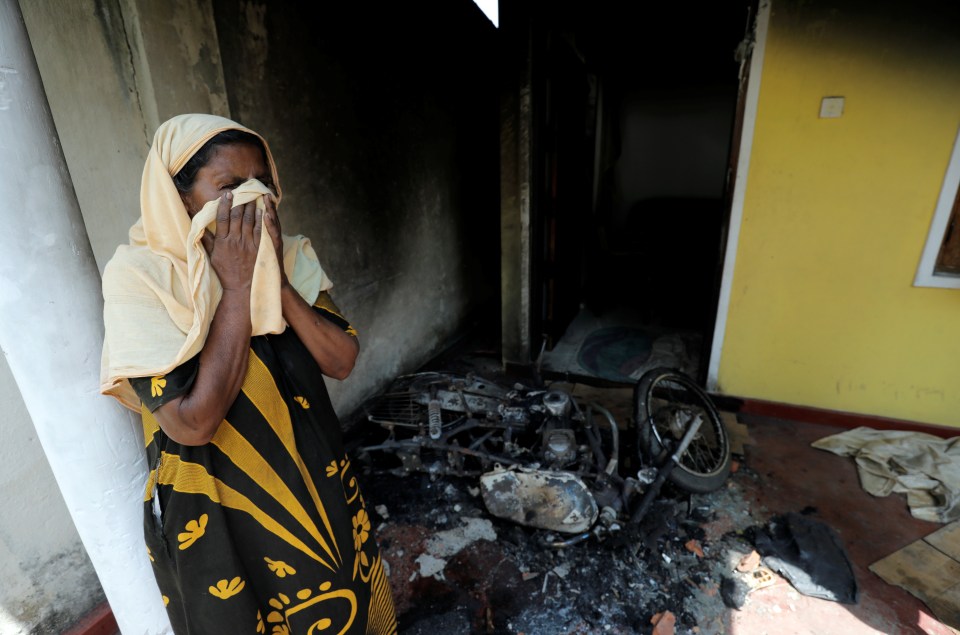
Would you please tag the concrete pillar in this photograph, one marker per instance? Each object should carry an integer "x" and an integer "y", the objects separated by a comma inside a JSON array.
[
  {"x": 516, "y": 182},
  {"x": 50, "y": 332}
]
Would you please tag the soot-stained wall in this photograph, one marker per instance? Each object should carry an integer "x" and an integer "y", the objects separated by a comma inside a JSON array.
[{"x": 383, "y": 123}]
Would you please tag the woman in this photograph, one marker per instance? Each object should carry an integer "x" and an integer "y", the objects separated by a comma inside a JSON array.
[{"x": 218, "y": 330}]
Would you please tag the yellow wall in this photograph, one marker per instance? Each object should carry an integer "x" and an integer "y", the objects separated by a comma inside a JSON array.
[{"x": 822, "y": 309}]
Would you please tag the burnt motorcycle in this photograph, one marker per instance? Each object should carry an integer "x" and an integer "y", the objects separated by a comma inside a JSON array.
[{"x": 545, "y": 460}]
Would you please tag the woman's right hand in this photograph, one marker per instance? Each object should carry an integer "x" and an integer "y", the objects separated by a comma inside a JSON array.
[{"x": 233, "y": 251}]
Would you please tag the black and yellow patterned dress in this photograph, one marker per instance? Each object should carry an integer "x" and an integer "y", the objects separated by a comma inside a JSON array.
[{"x": 264, "y": 529}]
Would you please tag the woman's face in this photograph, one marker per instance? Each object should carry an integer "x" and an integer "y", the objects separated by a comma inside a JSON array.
[{"x": 230, "y": 165}]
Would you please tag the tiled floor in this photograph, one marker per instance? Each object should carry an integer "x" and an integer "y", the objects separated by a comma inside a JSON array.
[{"x": 789, "y": 475}]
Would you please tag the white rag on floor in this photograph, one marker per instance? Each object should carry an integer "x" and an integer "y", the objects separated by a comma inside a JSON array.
[{"x": 924, "y": 467}]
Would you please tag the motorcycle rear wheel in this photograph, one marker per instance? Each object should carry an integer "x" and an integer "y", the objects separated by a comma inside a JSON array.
[{"x": 666, "y": 402}]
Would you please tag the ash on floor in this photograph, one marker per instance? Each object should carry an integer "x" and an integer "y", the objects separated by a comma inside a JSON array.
[{"x": 456, "y": 569}]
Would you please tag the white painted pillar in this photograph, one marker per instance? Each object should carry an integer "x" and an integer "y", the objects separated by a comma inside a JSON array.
[{"x": 51, "y": 333}]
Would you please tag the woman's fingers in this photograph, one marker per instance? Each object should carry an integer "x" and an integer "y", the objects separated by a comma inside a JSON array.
[
  {"x": 236, "y": 220},
  {"x": 273, "y": 221},
  {"x": 233, "y": 255},
  {"x": 223, "y": 215},
  {"x": 257, "y": 227},
  {"x": 248, "y": 220},
  {"x": 239, "y": 232},
  {"x": 273, "y": 228}
]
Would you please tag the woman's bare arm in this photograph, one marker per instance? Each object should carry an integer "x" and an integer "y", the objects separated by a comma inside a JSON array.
[
  {"x": 193, "y": 418},
  {"x": 334, "y": 350}
]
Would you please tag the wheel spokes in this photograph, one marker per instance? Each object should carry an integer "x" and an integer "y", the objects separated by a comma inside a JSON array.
[{"x": 670, "y": 421}]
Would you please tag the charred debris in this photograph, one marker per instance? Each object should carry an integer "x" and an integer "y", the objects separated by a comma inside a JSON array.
[{"x": 503, "y": 508}]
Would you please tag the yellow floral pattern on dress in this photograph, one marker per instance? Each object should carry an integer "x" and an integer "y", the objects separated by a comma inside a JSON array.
[
  {"x": 362, "y": 566},
  {"x": 150, "y": 555},
  {"x": 260, "y": 627},
  {"x": 302, "y": 401},
  {"x": 194, "y": 530},
  {"x": 281, "y": 568},
  {"x": 227, "y": 589},
  {"x": 332, "y": 469},
  {"x": 356, "y": 491},
  {"x": 166, "y": 600},
  {"x": 304, "y": 594},
  {"x": 361, "y": 529},
  {"x": 306, "y": 598},
  {"x": 157, "y": 384},
  {"x": 279, "y": 603}
]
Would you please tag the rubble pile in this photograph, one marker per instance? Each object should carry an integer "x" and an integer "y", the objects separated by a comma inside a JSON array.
[
  {"x": 456, "y": 569},
  {"x": 461, "y": 560}
]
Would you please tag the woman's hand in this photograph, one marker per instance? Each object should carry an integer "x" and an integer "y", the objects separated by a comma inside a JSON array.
[
  {"x": 273, "y": 229},
  {"x": 233, "y": 251}
]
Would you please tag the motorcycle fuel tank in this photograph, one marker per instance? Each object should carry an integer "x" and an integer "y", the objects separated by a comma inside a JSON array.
[{"x": 556, "y": 501}]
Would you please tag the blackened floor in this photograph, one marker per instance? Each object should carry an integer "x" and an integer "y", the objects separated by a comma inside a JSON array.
[{"x": 497, "y": 578}]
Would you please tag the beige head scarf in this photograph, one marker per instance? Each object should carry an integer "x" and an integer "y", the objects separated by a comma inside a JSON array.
[{"x": 160, "y": 292}]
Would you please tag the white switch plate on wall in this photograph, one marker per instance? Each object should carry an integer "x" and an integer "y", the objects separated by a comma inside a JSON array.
[{"x": 831, "y": 107}]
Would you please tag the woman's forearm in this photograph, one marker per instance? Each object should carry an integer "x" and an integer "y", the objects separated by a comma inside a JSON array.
[
  {"x": 334, "y": 350},
  {"x": 193, "y": 418}
]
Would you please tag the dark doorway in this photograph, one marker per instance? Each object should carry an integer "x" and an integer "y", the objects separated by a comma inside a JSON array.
[{"x": 635, "y": 116}]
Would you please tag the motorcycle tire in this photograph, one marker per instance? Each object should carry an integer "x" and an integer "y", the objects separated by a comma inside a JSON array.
[{"x": 665, "y": 403}]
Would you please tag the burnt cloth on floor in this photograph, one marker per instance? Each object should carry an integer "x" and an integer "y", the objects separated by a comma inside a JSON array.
[{"x": 810, "y": 555}]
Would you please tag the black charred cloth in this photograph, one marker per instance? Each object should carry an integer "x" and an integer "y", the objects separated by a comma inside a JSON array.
[{"x": 810, "y": 555}]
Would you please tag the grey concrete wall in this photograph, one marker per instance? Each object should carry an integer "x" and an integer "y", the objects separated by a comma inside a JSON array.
[
  {"x": 113, "y": 70},
  {"x": 384, "y": 125},
  {"x": 84, "y": 58}
]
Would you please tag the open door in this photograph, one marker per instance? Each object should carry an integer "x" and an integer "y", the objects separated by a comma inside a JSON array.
[{"x": 631, "y": 157}]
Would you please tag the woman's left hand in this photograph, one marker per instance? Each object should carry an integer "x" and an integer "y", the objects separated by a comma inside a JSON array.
[{"x": 272, "y": 221}]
